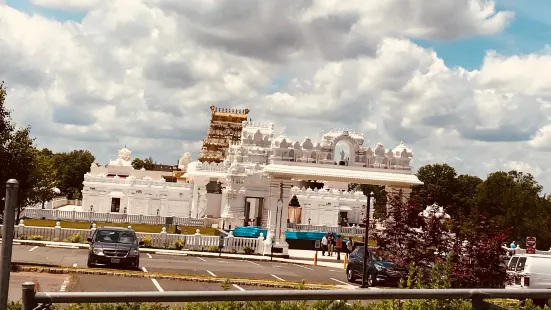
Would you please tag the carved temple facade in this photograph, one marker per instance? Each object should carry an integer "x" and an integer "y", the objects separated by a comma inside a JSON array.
[{"x": 256, "y": 180}]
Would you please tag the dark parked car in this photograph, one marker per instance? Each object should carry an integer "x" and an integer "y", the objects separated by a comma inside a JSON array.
[
  {"x": 114, "y": 246},
  {"x": 379, "y": 271}
]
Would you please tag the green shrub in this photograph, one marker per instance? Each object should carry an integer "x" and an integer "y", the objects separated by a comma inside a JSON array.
[
  {"x": 248, "y": 250},
  {"x": 36, "y": 237},
  {"x": 179, "y": 244},
  {"x": 226, "y": 285},
  {"x": 55, "y": 240},
  {"x": 212, "y": 248},
  {"x": 147, "y": 242},
  {"x": 22, "y": 237},
  {"x": 76, "y": 238}
]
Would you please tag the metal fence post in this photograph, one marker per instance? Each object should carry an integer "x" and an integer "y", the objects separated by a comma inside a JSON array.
[
  {"x": 12, "y": 186},
  {"x": 27, "y": 299}
]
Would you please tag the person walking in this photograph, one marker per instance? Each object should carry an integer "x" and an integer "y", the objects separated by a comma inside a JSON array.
[
  {"x": 330, "y": 244},
  {"x": 324, "y": 243},
  {"x": 338, "y": 244}
]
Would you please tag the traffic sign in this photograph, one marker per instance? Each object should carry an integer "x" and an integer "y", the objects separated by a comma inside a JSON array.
[
  {"x": 530, "y": 250},
  {"x": 531, "y": 242}
]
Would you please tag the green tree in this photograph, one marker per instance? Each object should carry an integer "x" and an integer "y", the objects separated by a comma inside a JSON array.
[
  {"x": 44, "y": 177},
  {"x": 137, "y": 163},
  {"x": 147, "y": 164},
  {"x": 17, "y": 155},
  {"x": 512, "y": 201},
  {"x": 378, "y": 192},
  {"x": 71, "y": 168},
  {"x": 439, "y": 186}
]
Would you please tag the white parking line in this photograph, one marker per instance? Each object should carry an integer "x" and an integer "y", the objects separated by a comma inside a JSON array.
[
  {"x": 75, "y": 265},
  {"x": 248, "y": 261},
  {"x": 341, "y": 282},
  {"x": 33, "y": 248},
  {"x": 148, "y": 255},
  {"x": 238, "y": 287},
  {"x": 303, "y": 267},
  {"x": 280, "y": 279},
  {"x": 65, "y": 284},
  {"x": 157, "y": 285},
  {"x": 221, "y": 261},
  {"x": 211, "y": 273},
  {"x": 202, "y": 259}
]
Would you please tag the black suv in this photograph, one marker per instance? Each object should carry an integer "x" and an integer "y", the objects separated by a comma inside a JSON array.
[
  {"x": 379, "y": 271},
  {"x": 114, "y": 246}
]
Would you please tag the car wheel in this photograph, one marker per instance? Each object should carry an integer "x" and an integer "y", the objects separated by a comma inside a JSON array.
[
  {"x": 137, "y": 264},
  {"x": 89, "y": 263},
  {"x": 371, "y": 279},
  {"x": 350, "y": 275}
]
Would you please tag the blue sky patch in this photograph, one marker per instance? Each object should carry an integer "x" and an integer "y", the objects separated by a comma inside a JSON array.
[{"x": 61, "y": 15}]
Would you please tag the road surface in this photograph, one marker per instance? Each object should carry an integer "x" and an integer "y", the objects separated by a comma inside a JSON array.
[{"x": 190, "y": 265}]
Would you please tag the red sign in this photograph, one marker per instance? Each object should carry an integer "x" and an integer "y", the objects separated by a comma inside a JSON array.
[{"x": 530, "y": 245}]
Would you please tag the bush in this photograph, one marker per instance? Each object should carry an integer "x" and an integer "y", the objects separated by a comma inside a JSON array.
[
  {"x": 213, "y": 249},
  {"x": 36, "y": 237},
  {"x": 248, "y": 250},
  {"x": 147, "y": 242},
  {"x": 179, "y": 244},
  {"x": 22, "y": 237},
  {"x": 76, "y": 238}
]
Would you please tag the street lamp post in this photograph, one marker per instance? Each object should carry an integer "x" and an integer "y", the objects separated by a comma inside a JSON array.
[{"x": 366, "y": 242}]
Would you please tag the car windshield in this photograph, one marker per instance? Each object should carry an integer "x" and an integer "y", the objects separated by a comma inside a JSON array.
[
  {"x": 114, "y": 236},
  {"x": 361, "y": 250}
]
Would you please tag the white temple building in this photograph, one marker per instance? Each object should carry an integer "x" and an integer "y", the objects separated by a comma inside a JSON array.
[{"x": 256, "y": 181}]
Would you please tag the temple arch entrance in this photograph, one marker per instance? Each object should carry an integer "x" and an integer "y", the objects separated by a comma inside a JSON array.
[{"x": 344, "y": 150}]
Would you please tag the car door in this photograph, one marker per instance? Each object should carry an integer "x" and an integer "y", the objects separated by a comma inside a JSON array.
[{"x": 356, "y": 261}]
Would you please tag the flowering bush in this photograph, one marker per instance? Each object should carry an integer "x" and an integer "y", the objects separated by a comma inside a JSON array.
[{"x": 411, "y": 235}]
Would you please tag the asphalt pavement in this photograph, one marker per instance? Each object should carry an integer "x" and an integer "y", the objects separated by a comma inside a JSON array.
[{"x": 190, "y": 265}]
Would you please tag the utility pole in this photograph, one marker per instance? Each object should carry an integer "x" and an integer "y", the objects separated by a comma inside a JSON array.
[
  {"x": 366, "y": 243},
  {"x": 12, "y": 186}
]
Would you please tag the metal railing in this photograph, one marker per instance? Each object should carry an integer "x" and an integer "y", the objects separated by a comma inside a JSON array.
[{"x": 33, "y": 300}]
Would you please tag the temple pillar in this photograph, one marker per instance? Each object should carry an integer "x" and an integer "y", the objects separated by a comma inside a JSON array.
[
  {"x": 278, "y": 205},
  {"x": 199, "y": 189}
]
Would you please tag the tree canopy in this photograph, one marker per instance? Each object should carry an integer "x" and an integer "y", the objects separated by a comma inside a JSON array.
[
  {"x": 147, "y": 164},
  {"x": 511, "y": 201}
]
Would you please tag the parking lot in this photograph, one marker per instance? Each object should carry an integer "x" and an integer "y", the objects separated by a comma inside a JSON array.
[{"x": 190, "y": 265}]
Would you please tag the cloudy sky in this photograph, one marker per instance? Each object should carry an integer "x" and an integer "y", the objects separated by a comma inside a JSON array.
[{"x": 462, "y": 82}]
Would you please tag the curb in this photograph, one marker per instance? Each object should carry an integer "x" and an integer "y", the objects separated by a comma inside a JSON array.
[{"x": 19, "y": 267}]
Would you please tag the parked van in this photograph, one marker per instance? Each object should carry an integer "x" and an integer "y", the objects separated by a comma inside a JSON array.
[{"x": 530, "y": 271}]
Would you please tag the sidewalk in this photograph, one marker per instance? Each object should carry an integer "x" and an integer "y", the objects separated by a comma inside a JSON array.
[{"x": 299, "y": 257}]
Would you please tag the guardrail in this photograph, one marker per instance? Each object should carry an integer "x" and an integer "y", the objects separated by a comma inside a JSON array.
[
  {"x": 33, "y": 300},
  {"x": 91, "y": 216}
]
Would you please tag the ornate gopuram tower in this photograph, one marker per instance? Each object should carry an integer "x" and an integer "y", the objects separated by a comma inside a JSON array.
[{"x": 225, "y": 128}]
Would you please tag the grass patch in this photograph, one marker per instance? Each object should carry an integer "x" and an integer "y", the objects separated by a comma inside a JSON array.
[{"x": 145, "y": 228}]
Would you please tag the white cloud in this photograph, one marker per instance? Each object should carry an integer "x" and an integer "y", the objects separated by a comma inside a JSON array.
[{"x": 143, "y": 73}]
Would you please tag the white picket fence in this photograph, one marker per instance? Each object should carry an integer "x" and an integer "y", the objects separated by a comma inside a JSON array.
[
  {"x": 90, "y": 216},
  {"x": 341, "y": 230},
  {"x": 161, "y": 240}
]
